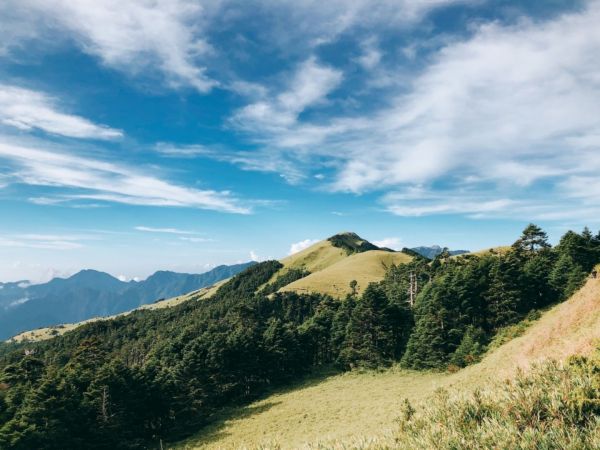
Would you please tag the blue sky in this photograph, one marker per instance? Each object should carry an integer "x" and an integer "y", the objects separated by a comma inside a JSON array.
[{"x": 138, "y": 135}]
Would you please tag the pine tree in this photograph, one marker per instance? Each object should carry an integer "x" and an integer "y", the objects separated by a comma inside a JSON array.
[
  {"x": 369, "y": 337},
  {"x": 503, "y": 296},
  {"x": 566, "y": 276},
  {"x": 470, "y": 349},
  {"x": 532, "y": 239}
]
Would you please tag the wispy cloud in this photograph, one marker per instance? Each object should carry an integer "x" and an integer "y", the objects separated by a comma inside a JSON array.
[
  {"x": 301, "y": 245},
  {"x": 91, "y": 179},
  {"x": 130, "y": 35},
  {"x": 42, "y": 241},
  {"x": 395, "y": 243},
  {"x": 26, "y": 109},
  {"x": 183, "y": 235},
  {"x": 196, "y": 240},
  {"x": 506, "y": 112},
  {"x": 182, "y": 151},
  {"x": 165, "y": 230},
  {"x": 309, "y": 86}
]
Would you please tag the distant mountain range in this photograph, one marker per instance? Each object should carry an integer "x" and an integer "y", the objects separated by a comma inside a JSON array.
[
  {"x": 434, "y": 250},
  {"x": 90, "y": 293}
]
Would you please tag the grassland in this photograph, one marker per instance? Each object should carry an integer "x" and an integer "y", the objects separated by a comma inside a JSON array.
[
  {"x": 357, "y": 410},
  {"x": 315, "y": 258},
  {"x": 365, "y": 268}
]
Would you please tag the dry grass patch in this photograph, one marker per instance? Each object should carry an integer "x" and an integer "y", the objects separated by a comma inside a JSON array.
[
  {"x": 336, "y": 407},
  {"x": 365, "y": 268}
]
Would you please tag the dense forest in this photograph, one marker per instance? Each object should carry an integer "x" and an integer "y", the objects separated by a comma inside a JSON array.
[{"x": 155, "y": 376}]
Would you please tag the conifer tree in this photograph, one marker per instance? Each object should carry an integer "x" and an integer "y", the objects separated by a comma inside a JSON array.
[{"x": 532, "y": 239}]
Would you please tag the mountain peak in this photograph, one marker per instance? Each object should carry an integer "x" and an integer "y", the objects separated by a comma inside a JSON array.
[
  {"x": 91, "y": 275},
  {"x": 351, "y": 242}
]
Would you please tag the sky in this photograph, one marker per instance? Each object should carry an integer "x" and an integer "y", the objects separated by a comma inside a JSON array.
[{"x": 138, "y": 135}]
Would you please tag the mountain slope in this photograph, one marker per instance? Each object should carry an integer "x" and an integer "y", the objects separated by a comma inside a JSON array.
[
  {"x": 314, "y": 258},
  {"x": 90, "y": 293},
  {"x": 334, "y": 280},
  {"x": 364, "y": 407}
]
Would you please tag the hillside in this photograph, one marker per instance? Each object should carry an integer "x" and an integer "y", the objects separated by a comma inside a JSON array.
[
  {"x": 317, "y": 257},
  {"x": 334, "y": 280},
  {"x": 357, "y": 407}
]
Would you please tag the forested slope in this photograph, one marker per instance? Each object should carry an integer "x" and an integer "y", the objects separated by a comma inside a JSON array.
[{"x": 353, "y": 409}]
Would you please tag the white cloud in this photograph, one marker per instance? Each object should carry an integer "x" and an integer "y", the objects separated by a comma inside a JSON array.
[
  {"x": 309, "y": 86},
  {"x": 371, "y": 55},
  {"x": 130, "y": 35},
  {"x": 47, "y": 242},
  {"x": 299, "y": 246},
  {"x": 17, "y": 302},
  {"x": 26, "y": 109},
  {"x": 498, "y": 113},
  {"x": 395, "y": 243},
  {"x": 182, "y": 151},
  {"x": 195, "y": 240},
  {"x": 302, "y": 25},
  {"x": 90, "y": 179},
  {"x": 165, "y": 230},
  {"x": 173, "y": 37},
  {"x": 254, "y": 256}
]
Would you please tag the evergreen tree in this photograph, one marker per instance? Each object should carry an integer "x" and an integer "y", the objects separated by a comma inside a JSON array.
[
  {"x": 470, "y": 349},
  {"x": 369, "y": 337},
  {"x": 537, "y": 290},
  {"x": 503, "y": 296},
  {"x": 532, "y": 239},
  {"x": 566, "y": 276}
]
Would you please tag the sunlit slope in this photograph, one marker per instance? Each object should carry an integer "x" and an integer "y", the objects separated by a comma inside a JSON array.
[
  {"x": 488, "y": 251},
  {"x": 362, "y": 406},
  {"x": 570, "y": 328},
  {"x": 365, "y": 268},
  {"x": 315, "y": 258}
]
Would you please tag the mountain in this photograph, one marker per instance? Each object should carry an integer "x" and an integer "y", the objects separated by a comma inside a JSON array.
[
  {"x": 434, "y": 250},
  {"x": 329, "y": 266},
  {"x": 90, "y": 293}
]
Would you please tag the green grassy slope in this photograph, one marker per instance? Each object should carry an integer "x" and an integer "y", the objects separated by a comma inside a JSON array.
[
  {"x": 365, "y": 268},
  {"x": 354, "y": 409}
]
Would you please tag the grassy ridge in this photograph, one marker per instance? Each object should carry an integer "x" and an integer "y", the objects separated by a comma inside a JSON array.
[
  {"x": 554, "y": 406},
  {"x": 365, "y": 268}
]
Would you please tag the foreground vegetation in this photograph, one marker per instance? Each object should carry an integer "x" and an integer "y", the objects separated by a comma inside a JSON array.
[
  {"x": 151, "y": 376},
  {"x": 554, "y": 406}
]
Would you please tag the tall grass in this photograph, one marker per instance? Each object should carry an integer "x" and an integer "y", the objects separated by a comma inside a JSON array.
[{"x": 554, "y": 406}]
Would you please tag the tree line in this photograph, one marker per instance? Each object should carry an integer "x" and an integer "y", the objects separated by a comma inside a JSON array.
[{"x": 156, "y": 376}]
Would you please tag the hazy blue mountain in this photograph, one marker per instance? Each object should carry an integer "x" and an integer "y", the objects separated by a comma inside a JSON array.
[
  {"x": 434, "y": 250},
  {"x": 91, "y": 293}
]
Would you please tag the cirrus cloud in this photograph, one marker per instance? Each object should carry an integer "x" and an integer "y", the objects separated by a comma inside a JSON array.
[
  {"x": 26, "y": 109},
  {"x": 91, "y": 179}
]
